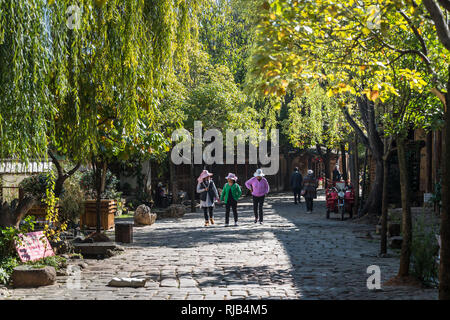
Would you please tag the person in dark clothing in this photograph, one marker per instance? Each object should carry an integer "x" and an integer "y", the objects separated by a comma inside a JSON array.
[
  {"x": 336, "y": 174},
  {"x": 310, "y": 190},
  {"x": 160, "y": 196},
  {"x": 296, "y": 184}
]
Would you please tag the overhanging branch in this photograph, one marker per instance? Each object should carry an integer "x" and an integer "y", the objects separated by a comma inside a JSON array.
[
  {"x": 440, "y": 23},
  {"x": 355, "y": 126}
]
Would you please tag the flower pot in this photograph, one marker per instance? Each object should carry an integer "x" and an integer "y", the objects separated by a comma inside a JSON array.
[{"x": 108, "y": 209}]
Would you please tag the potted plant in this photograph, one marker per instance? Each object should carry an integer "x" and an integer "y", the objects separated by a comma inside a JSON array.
[{"x": 110, "y": 199}]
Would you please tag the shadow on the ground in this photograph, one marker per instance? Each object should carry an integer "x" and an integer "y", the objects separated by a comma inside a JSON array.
[{"x": 328, "y": 257}]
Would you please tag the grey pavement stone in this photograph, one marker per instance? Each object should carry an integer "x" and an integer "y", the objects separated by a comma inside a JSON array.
[
  {"x": 292, "y": 256},
  {"x": 168, "y": 282}
]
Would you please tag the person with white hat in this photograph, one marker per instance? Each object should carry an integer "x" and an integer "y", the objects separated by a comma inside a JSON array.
[
  {"x": 259, "y": 187},
  {"x": 309, "y": 190},
  {"x": 230, "y": 195},
  {"x": 208, "y": 193}
]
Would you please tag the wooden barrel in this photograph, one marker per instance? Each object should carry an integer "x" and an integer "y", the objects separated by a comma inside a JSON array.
[
  {"x": 108, "y": 209},
  {"x": 124, "y": 232}
]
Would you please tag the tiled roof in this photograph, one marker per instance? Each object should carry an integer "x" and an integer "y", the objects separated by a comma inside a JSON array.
[{"x": 11, "y": 166}]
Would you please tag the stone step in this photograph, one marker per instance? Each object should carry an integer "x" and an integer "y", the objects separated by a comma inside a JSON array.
[{"x": 97, "y": 248}]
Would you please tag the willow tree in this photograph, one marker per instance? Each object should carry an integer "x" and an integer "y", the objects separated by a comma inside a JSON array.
[
  {"x": 315, "y": 121},
  {"x": 25, "y": 100},
  {"x": 85, "y": 88},
  {"x": 125, "y": 49},
  {"x": 225, "y": 34}
]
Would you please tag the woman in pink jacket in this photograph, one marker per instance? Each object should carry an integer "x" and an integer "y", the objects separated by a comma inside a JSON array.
[{"x": 259, "y": 187}]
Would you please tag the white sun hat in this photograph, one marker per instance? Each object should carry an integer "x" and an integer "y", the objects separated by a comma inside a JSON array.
[
  {"x": 310, "y": 172},
  {"x": 259, "y": 173}
]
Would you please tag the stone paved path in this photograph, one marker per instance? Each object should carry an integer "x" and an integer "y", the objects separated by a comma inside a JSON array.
[{"x": 291, "y": 256}]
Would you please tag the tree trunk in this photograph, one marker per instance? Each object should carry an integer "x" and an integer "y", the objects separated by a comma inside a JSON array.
[
  {"x": 287, "y": 185},
  {"x": 429, "y": 158},
  {"x": 406, "y": 210},
  {"x": 62, "y": 176},
  {"x": 355, "y": 177},
  {"x": 148, "y": 181},
  {"x": 364, "y": 183},
  {"x": 373, "y": 142},
  {"x": 193, "y": 183},
  {"x": 10, "y": 217},
  {"x": 173, "y": 181},
  {"x": 384, "y": 209},
  {"x": 99, "y": 168},
  {"x": 444, "y": 268},
  {"x": 326, "y": 162},
  {"x": 372, "y": 205},
  {"x": 344, "y": 163}
]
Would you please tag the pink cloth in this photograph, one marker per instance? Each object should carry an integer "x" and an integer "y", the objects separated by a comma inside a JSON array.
[
  {"x": 260, "y": 188},
  {"x": 203, "y": 175}
]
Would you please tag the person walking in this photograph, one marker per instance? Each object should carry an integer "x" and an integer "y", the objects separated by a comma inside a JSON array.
[
  {"x": 336, "y": 174},
  {"x": 208, "y": 193},
  {"x": 259, "y": 187},
  {"x": 296, "y": 184},
  {"x": 309, "y": 190},
  {"x": 230, "y": 195}
]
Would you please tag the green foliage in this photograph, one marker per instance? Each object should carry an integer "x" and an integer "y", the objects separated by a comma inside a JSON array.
[
  {"x": 87, "y": 183},
  {"x": 395, "y": 64},
  {"x": 424, "y": 250},
  {"x": 71, "y": 204},
  {"x": 7, "y": 265},
  {"x": 314, "y": 119},
  {"x": 36, "y": 185},
  {"x": 212, "y": 96},
  {"x": 54, "y": 225},
  {"x": 71, "y": 88},
  {"x": 10, "y": 234},
  {"x": 225, "y": 35},
  {"x": 8, "y": 254},
  {"x": 57, "y": 262},
  {"x": 24, "y": 91}
]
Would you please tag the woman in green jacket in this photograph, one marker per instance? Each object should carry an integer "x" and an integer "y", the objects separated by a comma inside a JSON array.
[{"x": 230, "y": 195}]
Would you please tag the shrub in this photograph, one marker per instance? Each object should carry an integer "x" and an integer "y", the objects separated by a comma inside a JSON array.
[
  {"x": 10, "y": 234},
  {"x": 72, "y": 200},
  {"x": 7, "y": 265},
  {"x": 57, "y": 262},
  {"x": 87, "y": 182},
  {"x": 8, "y": 255},
  {"x": 424, "y": 251},
  {"x": 36, "y": 185}
]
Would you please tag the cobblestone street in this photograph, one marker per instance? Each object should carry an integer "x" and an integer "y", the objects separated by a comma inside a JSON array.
[{"x": 291, "y": 256}]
